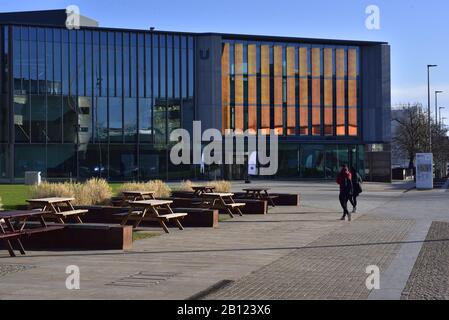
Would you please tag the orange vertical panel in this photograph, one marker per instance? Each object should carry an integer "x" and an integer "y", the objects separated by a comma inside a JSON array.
[
  {"x": 340, "y": 91},
  {"x": 291, "y": 91},
  {"x": 316, "y": 91},
  {"x": 265, "y": 87},
  {"x": 303, "y": 91},
  {"x": 252, "y": 89},
  {"x": 328, "y": 92},
  {"x": 352, "y": 92},
  {"x": 225, "y": 88},
  {"x": 278, "y": 90},
  {"x": 238, "y": 113},
  {"x": 352, "y": 63}
]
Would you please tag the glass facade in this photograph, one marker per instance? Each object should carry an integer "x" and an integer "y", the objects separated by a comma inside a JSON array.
[
  {"x": 92, "y": 102},
  {"x": 296, "y": 89},
  {"x": 102, "y": 102},
  {"x": 309, "y": 94}
]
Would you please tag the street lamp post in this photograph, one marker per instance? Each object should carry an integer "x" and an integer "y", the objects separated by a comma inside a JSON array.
[
  {"x": 428, "y": 105},
  {"x": 436, "y": 104},
  {"x": 441, "y": 108}
]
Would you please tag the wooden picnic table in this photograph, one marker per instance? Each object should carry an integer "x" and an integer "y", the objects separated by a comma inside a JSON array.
[
  {"x": 151, "y": 208},
  {"x": 199, "y": 190},
  {"x": 259, "y": 193},
  {"x": 13, "y": 227},
  {"x": 223, "y": 201},
  {"x": 137, "y": 195},
  {"x": 57, "y": 208}
]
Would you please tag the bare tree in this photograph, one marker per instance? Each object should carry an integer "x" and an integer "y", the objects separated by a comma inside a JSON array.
[
  {"x": 440, "y": 149},
  {"x": 410, "y": 136}
]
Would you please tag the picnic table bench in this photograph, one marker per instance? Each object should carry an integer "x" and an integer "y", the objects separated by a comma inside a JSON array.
[
  {"x": 261, "y": 194},
  {"x": 199, "y": 190},
  {"x": 137, "y": 195},
  {"x": 152, "y": 208},
  {"x": 222, "y": 201},
  {"x": 57, "y": 208},
  {"x": 13, "y": 227}
]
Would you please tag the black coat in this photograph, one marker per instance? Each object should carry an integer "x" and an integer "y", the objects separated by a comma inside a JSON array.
[
  {"x": 346, "y": 187},
  {"x": 356, "y": 183}
]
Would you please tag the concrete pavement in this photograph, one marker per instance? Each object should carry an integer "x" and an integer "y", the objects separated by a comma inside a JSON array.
[{"x": 317, "y": 256}]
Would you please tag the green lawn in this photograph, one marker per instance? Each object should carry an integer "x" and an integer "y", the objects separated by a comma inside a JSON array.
[
  {"x": 140, "y": 235},
  {"x": 13, "y": 195}
]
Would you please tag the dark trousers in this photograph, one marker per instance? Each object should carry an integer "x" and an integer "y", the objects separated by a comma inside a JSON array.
[
  {"x": 353, "y": 200},
  {"x": 344, "y": 198}
]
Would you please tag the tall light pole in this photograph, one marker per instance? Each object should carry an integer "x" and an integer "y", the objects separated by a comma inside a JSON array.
[
  {"x": 428, "y": 105},
  {"x": 436, "y": 104},
  {"x": 441, "y": 108}
]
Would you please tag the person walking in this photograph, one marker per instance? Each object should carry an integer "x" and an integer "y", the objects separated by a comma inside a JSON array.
[
  {"x": 356, "y": 188},
  {"x": 344, "y": 179}
]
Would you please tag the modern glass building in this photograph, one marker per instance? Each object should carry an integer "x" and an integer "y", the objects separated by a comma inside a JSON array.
[{"x": 102, "y": 102}]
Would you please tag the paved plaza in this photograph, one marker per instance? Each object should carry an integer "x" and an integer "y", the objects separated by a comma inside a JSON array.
[{"x": 291, "y": 253}]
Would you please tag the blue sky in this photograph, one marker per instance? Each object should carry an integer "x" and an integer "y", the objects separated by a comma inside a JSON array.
[{"x": 417, "y": 30}]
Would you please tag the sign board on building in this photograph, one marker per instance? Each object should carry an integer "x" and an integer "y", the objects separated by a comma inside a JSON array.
[
  {"x": 252, "y": 164},
  {"x": 424, "y": 171}
]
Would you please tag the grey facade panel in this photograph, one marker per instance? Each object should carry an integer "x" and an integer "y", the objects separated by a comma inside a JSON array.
[
  {"x": 208, "y": 81},
  {"x": 44, "y": 17},
  {"x": 376, "y": 94}
]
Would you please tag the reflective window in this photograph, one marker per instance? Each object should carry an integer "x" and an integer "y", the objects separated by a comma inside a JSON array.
[
  {"x": 4, "y": 160},
  {"x": 33, "y": 62},
  {"x": 41, "y": 58},
  {"x": 191, "y": 68},
  {"x": 70, "y": 119},
  {"x": 49, "y": 61},
  {"x": 17, "y": 61},
  {"x": 176, "y": 67},
  {"x": 141, "y": 65},
  {"x": 88, "y": 65},
  {"x": 25, "y": 61},
  {"x": 29, "y": 158},
  {"x": 170, "y": 68},
  {"x": 159, "y": 125},
  {"x": 148, "y": 63},
  {"x": 145, "y": 120},
  {"x": 123, "y": 163},
  {"x": 111, "y": 64},
  {"x": 65, "y": 54},
  {"x": 54, "y": 118},
  {"x": 73, "y": 73},
  {"x": 155, "y": 66},
  {"x": 184, "y": 74},
  {"x": 152, "y": 163},
  {"x": 126, "y": 66},
  {"x": 133, "y": 65},
  {"x": 100, "y": 119},
  {"x": 81, "y": 63},
  {"x": 174, "y": 117},
  {"x": 57, "y": 58},
  {"x": 61, "y": 161},
  {"x": 115, "y": 120},
  {"x": 162, "y": 66},
  {"x": 38, "y": 118},
  {"x": 118, "y": 64},
  {"x": 93, "y": 160},
  {"x": 130, "y": 119},
  {"x": 22, "y": 118},
  {"x": 103, "y": 79}
]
